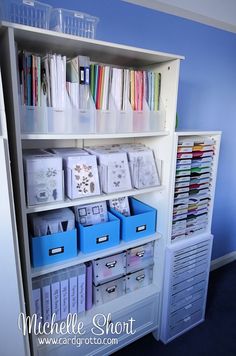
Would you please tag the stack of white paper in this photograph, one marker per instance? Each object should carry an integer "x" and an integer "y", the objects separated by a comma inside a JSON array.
[{"x": 52, "y": 222}]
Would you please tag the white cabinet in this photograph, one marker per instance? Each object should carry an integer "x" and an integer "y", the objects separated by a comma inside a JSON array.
[
  {"x": 187, "y": 265},
  {"x": 143, "y": 303},
  {"x": 185, "y": 286}
]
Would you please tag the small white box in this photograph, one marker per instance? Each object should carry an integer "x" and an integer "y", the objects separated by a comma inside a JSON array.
[
  {"x": 44, "y": 178},
  {"x": 139, "y": 279},
  {"x": 111, "y": 267},
  {"x": 140, "y": 257},
  {"x": 81, "y": 176},
  {"x": 109, "y": 291}
]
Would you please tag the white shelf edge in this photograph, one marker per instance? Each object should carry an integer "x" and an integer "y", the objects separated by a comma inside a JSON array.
[
  {"x": 92, "y": 136},
  {"x": 82, "y": 257},
  {"x": 197, "y": 132},
  {"x": 93, "y": 42},
  {"x": 91, "y": 199},
  {"x": 114, "y": 306}
]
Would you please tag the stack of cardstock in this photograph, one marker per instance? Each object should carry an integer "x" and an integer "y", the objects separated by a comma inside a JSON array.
[
  {"x": 30, "y": 78},
  {"x": 120, "y": 204},
  {"x": 143, "y": 167},
  {"x": 125, "y": 87},
  {"x": 44, "y": 178},
  {"x": 69, "y": 151},
  {"x": 78, "y": 81},
  {"x": 91, "y": 214},
  {"x": 192, "y": 185},
  {"x": 114, "y": 168},
  {"x": 81, "y": 176},
  {"x": 52, "y": 222}
]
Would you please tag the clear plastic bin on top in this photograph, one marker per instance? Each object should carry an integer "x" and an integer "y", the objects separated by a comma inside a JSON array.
[
  {"x": 26, "y": 12},
  {"x": 73, "y": 23}
]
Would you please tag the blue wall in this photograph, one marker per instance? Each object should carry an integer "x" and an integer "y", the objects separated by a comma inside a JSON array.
[{"x": 207, "y": 91}]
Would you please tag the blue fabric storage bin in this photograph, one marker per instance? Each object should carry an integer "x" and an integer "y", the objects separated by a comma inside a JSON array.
[
  {"x": 99, "y": 236},
  {"x": 141, "y": 223},
  {"x": 53, "y": 248}
]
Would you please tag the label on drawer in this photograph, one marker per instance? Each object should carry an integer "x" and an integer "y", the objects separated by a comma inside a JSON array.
[{"x": 141, "y": 228}]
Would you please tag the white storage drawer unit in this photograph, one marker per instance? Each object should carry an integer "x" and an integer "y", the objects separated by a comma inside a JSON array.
[
  {"x": 185, "y": 286},
  {"x": 145, "y": 314}
]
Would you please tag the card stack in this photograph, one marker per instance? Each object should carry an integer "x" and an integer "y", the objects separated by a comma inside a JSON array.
[{"x": 192, "y": 186}]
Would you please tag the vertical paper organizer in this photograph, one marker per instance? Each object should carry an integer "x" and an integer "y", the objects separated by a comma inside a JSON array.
[
  {"x": 53, "y": 248},
  {"x": 49, "y": 120},
  {"x": 141, "y": 223},
  {"x": 26, "y": 12},
  {"x": 120, "y": 121},
  {"x": 99, "y": 236}
]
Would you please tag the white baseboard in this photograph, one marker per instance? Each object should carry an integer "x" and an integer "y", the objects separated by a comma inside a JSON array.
[{"x": 223, "y": 260}]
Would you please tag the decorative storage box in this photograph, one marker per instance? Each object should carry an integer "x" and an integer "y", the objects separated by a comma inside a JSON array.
[
  {"x": 44, "y": 178},
  {"x": 140, "y": 257},
  {"x": 109, "y": 291},
  {"x": 26, "y": 12},
  {"x": 141, "y": 223},
  {"x": 53, "y": 248},
  {"x": 105, "y": 269},
  {"x": 100, "y": 236},
  {"x": 139, "y": 279},
  {"x": 73, "y": 22}
]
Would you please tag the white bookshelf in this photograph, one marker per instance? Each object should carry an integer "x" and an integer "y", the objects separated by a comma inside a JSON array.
[{"x": 144, "y": 304}]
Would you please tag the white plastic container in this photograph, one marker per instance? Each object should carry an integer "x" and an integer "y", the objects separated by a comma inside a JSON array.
[{"x": 73, "y": 23}]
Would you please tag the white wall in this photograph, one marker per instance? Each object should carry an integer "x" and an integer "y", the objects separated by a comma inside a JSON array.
[{"x": 217, "y": 13}]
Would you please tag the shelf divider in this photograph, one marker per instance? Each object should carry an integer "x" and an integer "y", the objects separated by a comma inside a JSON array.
[{"x": 91, "y": 199}]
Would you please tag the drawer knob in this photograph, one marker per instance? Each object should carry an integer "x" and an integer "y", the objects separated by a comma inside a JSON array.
[
  {"x": 111, "y": 289},
  {"x": 111, "y": 264},
  {"x": 140, "y": 277},
  {"x": 140, "y": 253}
]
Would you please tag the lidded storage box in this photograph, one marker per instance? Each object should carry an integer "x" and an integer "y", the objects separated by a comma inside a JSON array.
[{"x": 111, "y": 267}]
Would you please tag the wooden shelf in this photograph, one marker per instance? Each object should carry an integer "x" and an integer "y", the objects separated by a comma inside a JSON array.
[
  {"x": 82, "y": 257},
  {"x": 91, "y": 199}
]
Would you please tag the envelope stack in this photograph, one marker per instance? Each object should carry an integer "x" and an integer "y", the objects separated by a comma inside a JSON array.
[{"x": 192, "y": 196}]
